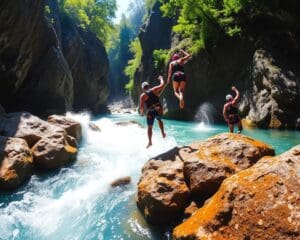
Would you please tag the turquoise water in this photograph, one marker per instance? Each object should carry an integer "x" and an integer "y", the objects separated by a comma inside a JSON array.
[{"x": 77, "y": 202}]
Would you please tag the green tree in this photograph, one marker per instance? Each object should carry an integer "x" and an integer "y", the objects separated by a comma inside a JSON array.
[{"x": 95, "y": 15}]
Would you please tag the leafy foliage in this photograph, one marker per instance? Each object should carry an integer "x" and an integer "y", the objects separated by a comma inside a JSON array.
[
  {"x": 205, "y": 21},
  {"x": 133, "y": 64},
  {"x": 161, "y": 57},
  {"x": 93, "y": 14}
]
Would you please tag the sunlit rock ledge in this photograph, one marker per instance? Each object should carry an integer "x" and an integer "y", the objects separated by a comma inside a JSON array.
[
  {"x": 230, "y": 185},
  {"x": 28, "y": 142}
]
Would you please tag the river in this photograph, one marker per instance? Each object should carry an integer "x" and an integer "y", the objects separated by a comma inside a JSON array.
[{"x": 77, "y": 202}]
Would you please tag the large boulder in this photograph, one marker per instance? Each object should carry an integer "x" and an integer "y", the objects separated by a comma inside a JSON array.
[
  {"x": 162, "y": 192},
  {"x": 220, "y": 157},
  {"x": 88, "y": 60},
  {"x": 72, "y": 127},
  {"x": 50, "y": 145},
  {"x": 261, "y": 202},
  {"x": 16, "y": 164}
]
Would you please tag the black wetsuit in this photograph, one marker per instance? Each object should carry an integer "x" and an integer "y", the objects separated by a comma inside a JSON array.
[
  {"x": 232, "y": 113},
  {"x": 178, "y": 72},
  {"x": 153, "y": 106}
]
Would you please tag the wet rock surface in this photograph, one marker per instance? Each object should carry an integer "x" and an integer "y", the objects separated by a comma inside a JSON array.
[
  {"x": 16, "y": 163},
  {"x": 50, "y": 145}
]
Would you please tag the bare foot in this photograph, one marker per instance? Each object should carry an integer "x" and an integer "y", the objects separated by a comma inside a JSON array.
[
  {"x": 164, "y": 135},
  {"x": 149, "y": 145}
]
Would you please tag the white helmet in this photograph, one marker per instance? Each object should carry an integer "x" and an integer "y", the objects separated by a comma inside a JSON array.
[
  {"x": 229, "y": 97},
  {"x": 145, "y": 84}
]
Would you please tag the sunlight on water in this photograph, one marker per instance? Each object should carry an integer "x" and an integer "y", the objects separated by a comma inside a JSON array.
[{"x": 77, "y": 201}]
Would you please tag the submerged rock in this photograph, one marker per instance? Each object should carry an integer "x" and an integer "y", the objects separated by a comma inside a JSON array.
[
  {"x": 49, "y": 144},
  {"x": 16, "y": 164},
  {"x": 121, "y": 181},
  {"x": 72, "y": 127},
  {"x": 220, "y": 157},
  {"x": 94, "y": 127},
  {"x": 261, "y": 202},
  {"x": 130, "y": 123}
]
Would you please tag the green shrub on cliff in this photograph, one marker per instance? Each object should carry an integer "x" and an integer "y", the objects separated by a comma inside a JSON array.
[
  {"x": 133, "y": 64},
  {"x": 93, "y": 14},
  {"x": 206, "y": 21},
  {"x": 161, "y": 58}
]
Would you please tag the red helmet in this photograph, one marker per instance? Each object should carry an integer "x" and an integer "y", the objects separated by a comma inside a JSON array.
[{"x": 175, "y": 56}]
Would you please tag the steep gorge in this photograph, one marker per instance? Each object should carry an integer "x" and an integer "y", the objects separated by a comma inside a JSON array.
[
  {"x": 46, "y": 66},
  {"x": 264, "y": 65}
]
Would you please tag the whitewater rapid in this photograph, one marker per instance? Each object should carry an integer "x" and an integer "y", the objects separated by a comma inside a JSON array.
[{"x": 73, "y": 202}]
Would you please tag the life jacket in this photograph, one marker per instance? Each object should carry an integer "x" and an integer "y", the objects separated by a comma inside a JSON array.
[
  {"x": 231, "y": 110},
  {"x": 152, "y": 101}
]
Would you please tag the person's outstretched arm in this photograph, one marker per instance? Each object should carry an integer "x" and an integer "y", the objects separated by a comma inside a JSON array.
[
  {"x": 237, "y": 95},
  {"x": 185, "y": 57},
  {"x": 142, "y": 103},
  {"x": 159, "y": 87},
  {"x": 170, "y": 73}
]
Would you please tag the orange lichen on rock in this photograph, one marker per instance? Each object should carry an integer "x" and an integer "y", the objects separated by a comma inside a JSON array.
[
  {"x": 261, "y": 202},
  {"x": 16, "y": 163},
  {"x": 220, "y": 157}
]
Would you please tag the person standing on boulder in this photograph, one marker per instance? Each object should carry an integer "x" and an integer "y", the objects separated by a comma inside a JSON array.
[
  {"x": 176, "y": 72},
  {"x": 150, "y": 98},
  {"x": 230, "y": 111}
]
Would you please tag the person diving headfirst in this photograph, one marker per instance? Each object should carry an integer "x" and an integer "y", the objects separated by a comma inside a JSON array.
[{"x": 150, "y": 98}]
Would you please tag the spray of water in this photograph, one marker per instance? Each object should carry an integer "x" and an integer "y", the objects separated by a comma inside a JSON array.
[
  {"x": 204, "y": 116},
  {"x": 77, "y": 202}
]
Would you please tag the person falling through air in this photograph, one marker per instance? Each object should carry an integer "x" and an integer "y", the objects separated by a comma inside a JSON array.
[
  {"x": 230, "y": 111},
  {"x": 176, "y": 72},
  {"x": 150, "y": 98}
]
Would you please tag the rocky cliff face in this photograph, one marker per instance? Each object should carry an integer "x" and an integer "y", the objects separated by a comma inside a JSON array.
[
  {"x": 264, "y": 66},
  {"x": 35, "y": 75},
  {"x": 156, "y": 33}
]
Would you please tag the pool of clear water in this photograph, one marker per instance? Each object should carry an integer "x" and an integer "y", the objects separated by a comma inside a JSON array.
[{"x": 77, "y": 202}]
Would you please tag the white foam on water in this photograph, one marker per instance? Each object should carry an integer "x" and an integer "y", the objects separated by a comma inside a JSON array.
[
  {"x": 203, "y": 127},
  {"x": 62, "y": 205}
]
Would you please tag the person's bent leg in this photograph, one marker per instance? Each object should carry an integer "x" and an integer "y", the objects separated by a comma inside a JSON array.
[
  {"x": 175, "y": 88},
  {"x": 231, "y": 127},
  {"x": 181, "y": 92},
  {"x": 161, "y": 126},
  {"x": 149, "y": 136},
  {"x": 240, "y": 126}
]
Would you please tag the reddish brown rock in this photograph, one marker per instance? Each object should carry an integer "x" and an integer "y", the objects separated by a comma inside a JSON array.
[
  {"x": 162, "y": 192},
  {"x": 218, "y": 158},
  {"x": 72, "y": 127},
  {"x": 16, "y": 163},
  {"x": 121, "y": 181},
  {"x": 51, "y": 146},
  {"x": 261, "y": 202}
]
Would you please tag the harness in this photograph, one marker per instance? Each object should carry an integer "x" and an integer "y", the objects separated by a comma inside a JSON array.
[{"x": 152, "y": 103}]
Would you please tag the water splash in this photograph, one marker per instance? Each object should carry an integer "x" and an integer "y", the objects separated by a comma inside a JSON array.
[
  {"x": 204, "y": 116},
  {"x": 77, "y": 202}
]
